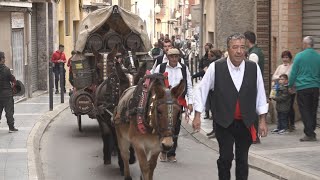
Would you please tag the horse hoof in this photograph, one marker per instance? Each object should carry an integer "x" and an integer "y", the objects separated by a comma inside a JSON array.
[
  {"x": 128, "y": 178},
  {"x": 107, "y": 162}
]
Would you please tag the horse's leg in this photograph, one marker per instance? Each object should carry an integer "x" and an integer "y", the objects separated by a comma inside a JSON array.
[
  {"x": 107, "y": 138},
  {"x": 124, "y": 146},
  {"x": 153, "y": 163},
  {"x": 142, "y": 158}
]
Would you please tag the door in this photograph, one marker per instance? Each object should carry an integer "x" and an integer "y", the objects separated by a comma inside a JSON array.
[{"x": 17, "y": 54}]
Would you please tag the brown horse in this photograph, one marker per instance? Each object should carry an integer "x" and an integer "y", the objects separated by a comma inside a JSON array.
[
  {"x": 107, "y": 97},
  {"x": 160, "y": 116}
]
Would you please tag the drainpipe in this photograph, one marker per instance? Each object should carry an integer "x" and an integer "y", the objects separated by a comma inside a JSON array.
[{"x": 201, "y": 29}]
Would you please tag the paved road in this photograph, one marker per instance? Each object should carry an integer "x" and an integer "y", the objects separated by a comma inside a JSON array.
[{"x": 68, "y": 154}]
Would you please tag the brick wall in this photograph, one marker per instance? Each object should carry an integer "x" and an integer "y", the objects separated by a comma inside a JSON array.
[{"x": 286, "y": 29}]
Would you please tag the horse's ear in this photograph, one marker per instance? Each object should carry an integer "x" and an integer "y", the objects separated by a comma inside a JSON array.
[
  {"x": 141, "y": 73},
  {"x": 113, "y": 53},
  {"x": 158, "y": 89},
  {"x": 179, "y": 89}
]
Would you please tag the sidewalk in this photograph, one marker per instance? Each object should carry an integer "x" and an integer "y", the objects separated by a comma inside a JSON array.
[{"x": 17, "y": 149}]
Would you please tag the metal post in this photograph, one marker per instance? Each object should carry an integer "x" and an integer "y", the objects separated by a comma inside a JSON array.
[
  {"x": 50, "y": 87},
  {"x": 62, "y": 81}
]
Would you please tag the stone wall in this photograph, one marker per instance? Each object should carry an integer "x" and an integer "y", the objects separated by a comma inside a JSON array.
[
  {"x": 233, "y": 16},
  {"x": 43, "y": 51}
]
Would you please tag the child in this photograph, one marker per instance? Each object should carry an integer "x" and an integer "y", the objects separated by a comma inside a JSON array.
[{"x": 283, "y": 100}]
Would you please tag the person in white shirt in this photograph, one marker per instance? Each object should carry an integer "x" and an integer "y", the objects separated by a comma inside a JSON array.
[
  {"x": 239, "y": 97},
  {"x": 167, "y": 44},
  {"x": 176, "y": 72}
]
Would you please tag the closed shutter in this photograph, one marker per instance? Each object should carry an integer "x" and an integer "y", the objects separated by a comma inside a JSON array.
[
  {"x": 17, "y": 54},
  {"x": 311, "y": 27},
  {"x": 311, "y": 20},
  {"x": 34, "y": 45}
]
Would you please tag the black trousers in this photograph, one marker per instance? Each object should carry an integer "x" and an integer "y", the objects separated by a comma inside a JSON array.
[
  {"x": 172, "y": 151},
  {"x": 308, "y": 100},
  {"x": 237, "y": 133},
  {"x": 57, "y": 73},
  {"x": 291, "y": 115},
  {"x": 7, "y": 103}
]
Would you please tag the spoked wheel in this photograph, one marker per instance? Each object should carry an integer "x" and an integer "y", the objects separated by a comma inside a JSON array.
[{"x": 79, "y": 122}]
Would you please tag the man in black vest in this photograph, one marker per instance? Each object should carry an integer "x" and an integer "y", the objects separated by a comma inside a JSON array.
[
  {"x": 239, "y": 97},
  {"x": 176, "y": 72}
]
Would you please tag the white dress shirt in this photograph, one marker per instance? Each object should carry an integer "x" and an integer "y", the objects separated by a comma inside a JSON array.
[
  {"x": 237, "y": 73},
  {"x": 175, "y": 76},
  {"x": 164, "y": 60},
  {"x": 254, "y": 57}
]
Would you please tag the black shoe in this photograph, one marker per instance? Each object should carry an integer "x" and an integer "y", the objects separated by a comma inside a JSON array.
[
  {"x": 308, "y": 138},
  {"x": 212, "y": 136},
  {"x": 11, "y": 130},
  {"x": 211, "y": 133},
  {"x": 65, "y": 91},
  {"x": 207, "y": 117},
  {"x": 57, "y": 92}
]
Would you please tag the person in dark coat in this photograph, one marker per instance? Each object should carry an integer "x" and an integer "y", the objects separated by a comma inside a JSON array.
[{"x": 7, "y": 85}]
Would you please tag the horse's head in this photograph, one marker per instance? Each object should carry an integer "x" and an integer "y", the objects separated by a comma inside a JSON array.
[{"x": 166, "y": 111}]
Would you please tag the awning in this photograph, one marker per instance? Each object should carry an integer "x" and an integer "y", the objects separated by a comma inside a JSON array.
[{"x": 16, "y": 4}]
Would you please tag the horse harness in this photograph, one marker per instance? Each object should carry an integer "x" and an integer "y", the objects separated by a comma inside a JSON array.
[{"x": 142, "y": 125}]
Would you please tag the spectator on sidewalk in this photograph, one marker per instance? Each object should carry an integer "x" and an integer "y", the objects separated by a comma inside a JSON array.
[
  {"x": 176, "y": 72},
  {"x": 69, "y": 64},
  {"x": 285, "y": 68},
  {"x": 256, "y": 55},
  {"x": 225, "y": 77},
  {"x": 283, "y": 100},
  {"x": 7, "y": 83},
  {"x": 57, "y": 58},
  {"x": 305, "y": 74}
]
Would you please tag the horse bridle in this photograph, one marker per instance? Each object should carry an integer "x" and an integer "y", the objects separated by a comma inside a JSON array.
[{"x": 170, "y": 102}]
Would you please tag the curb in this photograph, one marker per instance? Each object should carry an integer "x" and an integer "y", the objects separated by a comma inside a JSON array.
[
  {"x": 35, "y": 170},
  {"x": 260, "y": 163}
]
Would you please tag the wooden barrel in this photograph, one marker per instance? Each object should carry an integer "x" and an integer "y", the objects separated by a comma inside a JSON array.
[
  {"x": 95, "y": 41},
  {"x": 133, "y": 41},
  {"x": 81, "y": 102},
  {"x": 82, "y": 73},
  {"x": 111, "y": 39}
]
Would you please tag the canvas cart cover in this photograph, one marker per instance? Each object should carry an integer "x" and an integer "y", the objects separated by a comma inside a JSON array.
[{"x": 97, "y": 18}]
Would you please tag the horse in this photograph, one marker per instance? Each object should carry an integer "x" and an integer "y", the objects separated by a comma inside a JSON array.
[
  {"x": 107, "y": 97},
  {"x": 145, "y": 119}
]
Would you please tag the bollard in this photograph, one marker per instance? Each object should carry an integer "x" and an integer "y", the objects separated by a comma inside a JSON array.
[
  {"x": 62, "y": 79},
  {"x": 50, "y": 87}
]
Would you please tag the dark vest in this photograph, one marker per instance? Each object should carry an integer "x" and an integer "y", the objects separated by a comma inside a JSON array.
[
  {"x": 163, "y": 67},
  {"x": 226, "y": 95}
]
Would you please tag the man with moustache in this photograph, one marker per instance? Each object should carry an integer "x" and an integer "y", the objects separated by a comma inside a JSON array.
[{"x": 239, "y": 97}]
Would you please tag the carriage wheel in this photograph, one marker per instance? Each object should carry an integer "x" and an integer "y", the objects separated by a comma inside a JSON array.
[{"x": 79, "y": 122}]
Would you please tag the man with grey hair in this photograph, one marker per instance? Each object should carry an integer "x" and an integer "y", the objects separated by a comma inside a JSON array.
[
  {"x": 239, "y": 97},
  {"x": 305, "y": 75}
]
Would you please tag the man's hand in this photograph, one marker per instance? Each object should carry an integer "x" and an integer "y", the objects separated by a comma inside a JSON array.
[
  {"x": 263, "y": 128},
  {"x": 196, "y": 124}
]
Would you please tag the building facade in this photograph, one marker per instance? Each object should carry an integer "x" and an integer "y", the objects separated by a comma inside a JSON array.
[{"x": 26, "y": 35}]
